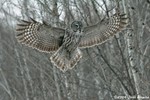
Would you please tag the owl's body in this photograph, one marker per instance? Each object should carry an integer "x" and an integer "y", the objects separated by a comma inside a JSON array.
[
  {"x": 68, "y": 54},
  {"x": 67, "y": 43}
]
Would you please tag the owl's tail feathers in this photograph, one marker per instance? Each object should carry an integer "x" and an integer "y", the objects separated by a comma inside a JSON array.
[{"x": 65, "y": 60}]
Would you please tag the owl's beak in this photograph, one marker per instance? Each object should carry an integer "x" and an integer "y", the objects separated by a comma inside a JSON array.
[{"x": 77, "y": 26}]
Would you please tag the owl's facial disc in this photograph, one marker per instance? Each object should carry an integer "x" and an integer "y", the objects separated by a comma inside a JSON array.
[{"x": 76, "y": 26}]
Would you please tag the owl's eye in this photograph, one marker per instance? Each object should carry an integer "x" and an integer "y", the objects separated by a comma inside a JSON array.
[{"x": 77, "y": 25}]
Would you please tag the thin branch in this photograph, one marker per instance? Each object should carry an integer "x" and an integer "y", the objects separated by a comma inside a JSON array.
[{"x": 120, "y": 80}]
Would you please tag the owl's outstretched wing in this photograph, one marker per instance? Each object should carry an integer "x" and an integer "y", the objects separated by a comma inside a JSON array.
[
  {"x": 40, "y": 36},
  {"x": 103, "y": 30}
]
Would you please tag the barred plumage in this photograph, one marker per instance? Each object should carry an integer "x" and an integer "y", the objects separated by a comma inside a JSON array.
[
  {"x": 69, "y": 53},
  {"x": 67, "y": 43}
]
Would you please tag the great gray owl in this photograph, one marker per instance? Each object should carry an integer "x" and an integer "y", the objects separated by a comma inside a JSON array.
[{"x": 67, "y": 43}]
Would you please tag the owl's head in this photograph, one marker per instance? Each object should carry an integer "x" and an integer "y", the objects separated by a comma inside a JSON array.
[{"x": 76, "y": 25}]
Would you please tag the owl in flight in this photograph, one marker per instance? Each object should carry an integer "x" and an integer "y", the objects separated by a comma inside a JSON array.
[{"x": 66, "y": 43}]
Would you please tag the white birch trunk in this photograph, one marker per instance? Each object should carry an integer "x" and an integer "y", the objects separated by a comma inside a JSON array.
[{"x": 131, "y": 54}]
